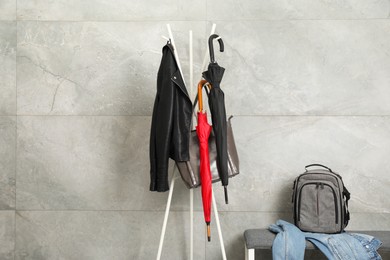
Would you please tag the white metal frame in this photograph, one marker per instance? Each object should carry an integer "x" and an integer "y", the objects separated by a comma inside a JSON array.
[
  {"x": 167, "y": 209},
  {"x": 174, "y": 177},
  {"x": 249, "y": 253},
  {"x": 191, "y": 256}
]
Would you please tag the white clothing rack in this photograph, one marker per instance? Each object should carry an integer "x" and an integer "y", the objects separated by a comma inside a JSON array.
[{"x": 174, "y": 177}]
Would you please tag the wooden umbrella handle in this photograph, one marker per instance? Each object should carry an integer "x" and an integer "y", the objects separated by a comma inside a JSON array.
[{"x": 200, "y": 99}]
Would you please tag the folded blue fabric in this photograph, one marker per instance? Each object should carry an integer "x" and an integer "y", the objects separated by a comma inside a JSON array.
[{"x": 289, "y": 244}]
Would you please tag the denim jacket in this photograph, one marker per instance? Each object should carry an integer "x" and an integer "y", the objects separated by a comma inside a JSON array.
[{"x": 289, "y": 244}]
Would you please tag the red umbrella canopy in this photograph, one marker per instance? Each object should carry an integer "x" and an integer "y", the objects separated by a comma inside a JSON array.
[{"x": 203, "y": 130}]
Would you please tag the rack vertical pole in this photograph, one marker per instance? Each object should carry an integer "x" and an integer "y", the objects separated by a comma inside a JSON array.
[
  {"x": 191, "y": 190},
  {"x": 172, "y": 185},
  {"x": 219, "y": 228},
  {"x": 167, "y": 209}
]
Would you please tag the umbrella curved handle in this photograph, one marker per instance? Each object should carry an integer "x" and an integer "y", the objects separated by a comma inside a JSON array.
[
  {"x": 211, "y": 47},
  {"x": 200, "y": 99}
]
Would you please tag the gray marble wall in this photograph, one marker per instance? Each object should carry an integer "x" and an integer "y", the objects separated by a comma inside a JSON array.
[{"x": 307, "y": 81}]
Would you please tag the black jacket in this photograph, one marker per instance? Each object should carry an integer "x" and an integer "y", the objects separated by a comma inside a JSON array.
[{"x": 171, "y": 121}]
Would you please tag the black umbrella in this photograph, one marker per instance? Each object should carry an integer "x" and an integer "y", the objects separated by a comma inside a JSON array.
[{"x": 214, "y": 76}]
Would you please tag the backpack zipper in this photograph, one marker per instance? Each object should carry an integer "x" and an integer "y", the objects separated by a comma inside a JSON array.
[{"x": 318, "y": 206}]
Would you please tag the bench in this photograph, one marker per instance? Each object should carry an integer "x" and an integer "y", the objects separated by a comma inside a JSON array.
[{"x": 263, "y": 239}]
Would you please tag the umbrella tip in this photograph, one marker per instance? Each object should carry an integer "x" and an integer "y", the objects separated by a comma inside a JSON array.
[
  {"x": 226, "y": 195},
  {"x": 208, "y": 232}
]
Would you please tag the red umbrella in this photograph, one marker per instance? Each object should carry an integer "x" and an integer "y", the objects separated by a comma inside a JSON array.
[{"x": 203, "y": 131}]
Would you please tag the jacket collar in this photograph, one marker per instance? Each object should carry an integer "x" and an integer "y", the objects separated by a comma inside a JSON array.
[
  {"x": 178, "y": 80},
  {"x": 176, "y": 77}
]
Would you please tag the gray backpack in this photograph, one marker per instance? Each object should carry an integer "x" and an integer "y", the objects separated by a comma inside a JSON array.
[{"x": 320, "y": 201}]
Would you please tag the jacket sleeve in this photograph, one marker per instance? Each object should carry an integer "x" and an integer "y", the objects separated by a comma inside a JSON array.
[{"x": 161, "y": 131}]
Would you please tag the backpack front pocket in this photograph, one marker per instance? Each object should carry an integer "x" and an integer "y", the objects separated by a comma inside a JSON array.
[{"x": 317, "y": 205}]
